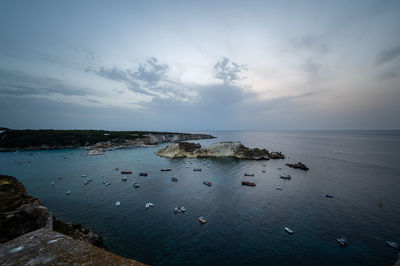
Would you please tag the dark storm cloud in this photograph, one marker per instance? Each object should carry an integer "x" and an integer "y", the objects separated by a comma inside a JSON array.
[
  {"x": 18, "y": 83},
  {"x": 387, "y": 55},
  {"x": 228, "y": 71}
]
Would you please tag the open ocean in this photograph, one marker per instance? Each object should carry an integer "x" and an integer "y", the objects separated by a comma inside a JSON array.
[{"x": 244, "y": 224}]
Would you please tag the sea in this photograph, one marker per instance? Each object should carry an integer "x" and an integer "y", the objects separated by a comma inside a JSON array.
[{"x": 245, "y": 225}]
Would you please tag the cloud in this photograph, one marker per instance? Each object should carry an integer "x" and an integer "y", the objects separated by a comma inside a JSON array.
[
  {"x": 388, "y": 55},
  {"x": 228, "y": 71},
  {"x": 18, "y": 83},
  {"x": 312, "y": 43},
  {"x": 150, "y": 78}
]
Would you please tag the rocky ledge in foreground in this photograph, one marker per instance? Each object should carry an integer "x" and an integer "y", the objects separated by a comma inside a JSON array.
[
  {"x": 233, "y": 149},
  {"x": 47, "y": 247},
  {"x": 21, "y": 213}
]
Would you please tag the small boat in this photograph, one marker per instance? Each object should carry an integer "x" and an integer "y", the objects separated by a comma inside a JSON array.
[
  {"x": 207, "y": 183},
  {"x": 124, "y": 179},
  {"x": 151, "y": 204},
  {"x": 392, "y": 244},
  {"x": 135, "y": 185},
  {"x": 86, "y": 182},
  {"x": 342, "y": 241},
  {"x": 83, "y": 175},
  {"x": 126, "y": 172},
  {"x": 247, "y": 174},
  {"x": 89, "y": 180},
  {"x": 117, "y": 203},
  {"x": 263, "y": 171},
  {"x": 202, "y": 220},
  {"x": 197, "y": 169},
  {"x": 182, "y": 209},
  {"x": 52, "y": 183},
  {"x": 186, "y": 166},
  {"x": 279, "y": 188},
  {"x": 177, "y": 210},
  {"x": 116, "y": 169},
  {"x": 329, "y": 196},
  {"x": 59, "y": 177},
  {"x": 147, "y": 206},
  {"x": 173, "y": 179},
  {"x": 288, "y": 230},
  {"x": 143, "y": 174},
  {"x": 68, "y": 192},
  {"x": 166, "y": 169},
  {"x": 285, "y": 176},
  {"x": 247, "y": 183}
]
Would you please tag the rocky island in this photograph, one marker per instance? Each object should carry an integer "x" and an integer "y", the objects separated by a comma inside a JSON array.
[
  {"x": 233, "y": 149},
  {"x": 29, "y": 234},
  {"x": 95, "y": 140}
]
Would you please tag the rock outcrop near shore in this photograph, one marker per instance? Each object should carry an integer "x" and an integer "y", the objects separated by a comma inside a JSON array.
[{"x": 233, "y": 149}]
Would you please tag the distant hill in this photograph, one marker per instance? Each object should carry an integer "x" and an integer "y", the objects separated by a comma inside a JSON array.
[{"x": 58, "y": 139}]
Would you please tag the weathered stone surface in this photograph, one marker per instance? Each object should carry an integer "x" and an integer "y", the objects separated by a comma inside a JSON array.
[
  {"x": 221, "y": 149},
  {"x": 46, "y": 247},
  {"x": 19, "y": 212}
]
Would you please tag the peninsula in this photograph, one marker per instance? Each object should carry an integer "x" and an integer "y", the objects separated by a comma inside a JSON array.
[{"x": 47, "y": 139}]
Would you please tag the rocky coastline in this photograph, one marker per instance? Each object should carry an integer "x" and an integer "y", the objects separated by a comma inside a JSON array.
[
  {"x": 22, "y": 215},
  {"x": 96, "y": 140},
  {"x": 233, "y": 149}
]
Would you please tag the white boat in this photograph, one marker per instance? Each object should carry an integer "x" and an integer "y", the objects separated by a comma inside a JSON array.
[
  {"x": 68, "y": 192},
  {"x": 52, "y": 183},
  {"x": 86, "y": 182},
  {"x": 186, "y": 166},
  {"x": 392, "y": 244},
  {"x": 342, "y": 241},
  {"x": 177, "y": 210},
  {"x": 182, "y": 209},
  {"x": 151, "y": 204},
  {"x": 279, "y": 188},
  {"x": 83, "y": 175},
  {"x": 147, "y": 206},
  {"x": 135, "y": 185},
  {"x": 117, "y": 203},
  {"x": 288, "y": 230},
  {"x": 124, "y": 179},
  {"x": 202, "y": 220}
]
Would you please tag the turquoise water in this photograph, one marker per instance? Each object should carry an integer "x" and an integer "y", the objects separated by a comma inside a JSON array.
[{"x": 244, "y": 224}]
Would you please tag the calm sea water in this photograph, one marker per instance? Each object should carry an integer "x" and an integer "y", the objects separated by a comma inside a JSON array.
[{"x": 244, "y": 224}]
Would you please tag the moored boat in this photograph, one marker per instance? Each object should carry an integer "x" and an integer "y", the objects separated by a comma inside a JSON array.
[
  {"x": 143, "y": 174},
  {"x": 173, "y": 179},
  {"x": 124, "y": 179},
  {"x": 342, "y": 241},
  {"x": 285, "y": 176},
  {"x": 135, "y": 185},
  {"x": 126, "y": 172},
  {"x": 197, "y": 169},
  {"x": 202, "y": 220},
  {"x": 207, "y": 183},
  {"x": 247, "y": 174},
  {"x": 117, "y": 203},
  {"x": 288, "y": 230},
  {"x": 392, "y": 244},
  {"x": 247, "y": 183},
  {"x": 165, "y": 169}
]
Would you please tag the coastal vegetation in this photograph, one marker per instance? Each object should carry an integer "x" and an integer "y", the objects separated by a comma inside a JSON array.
[{"x": 57, "y": 139}]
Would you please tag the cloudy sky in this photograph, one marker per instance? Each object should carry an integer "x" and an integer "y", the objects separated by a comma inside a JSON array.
[{"x": 200, "y": 65}]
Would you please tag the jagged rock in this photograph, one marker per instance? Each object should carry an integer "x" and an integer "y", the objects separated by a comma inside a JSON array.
[
  {"x": 298, "y": 165},
  {"x": 19, "y": 212},
  {"x": 46, "y": 247},
  {"x": 276, "y": 155},
  {"x": 221, "y": 149}
]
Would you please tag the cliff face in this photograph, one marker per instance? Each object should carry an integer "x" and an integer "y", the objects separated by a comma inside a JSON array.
[
  {"x": 221, "y": 149},
  {"x": 19, "y": 212}
]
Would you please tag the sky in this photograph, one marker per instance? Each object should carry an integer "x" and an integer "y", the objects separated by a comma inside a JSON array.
[{"x": 200, "y": 65}]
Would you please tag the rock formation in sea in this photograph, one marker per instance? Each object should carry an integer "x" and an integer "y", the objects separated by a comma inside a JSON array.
[
  {"x": 233, "y": 149},
  {"x": 30, "y": 234},
  {"x": 298, "y": 165}
]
